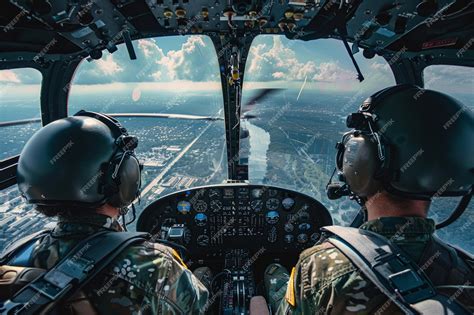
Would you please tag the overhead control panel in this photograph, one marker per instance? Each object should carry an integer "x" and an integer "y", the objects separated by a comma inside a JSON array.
[{"x": 87, "y": 27}]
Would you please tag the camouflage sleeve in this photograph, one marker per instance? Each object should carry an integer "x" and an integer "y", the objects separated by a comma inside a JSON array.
[
  {"x": 153, "y": 280},
  {"x": 183, "y": 290},
  {"x": 324, "y": 281}
]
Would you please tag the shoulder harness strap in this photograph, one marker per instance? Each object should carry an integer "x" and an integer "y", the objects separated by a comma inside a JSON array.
[
  {"x": 392, "y": 271},
  {"x": 24, "y": 244},
  {"x": 70, "y": 274}
]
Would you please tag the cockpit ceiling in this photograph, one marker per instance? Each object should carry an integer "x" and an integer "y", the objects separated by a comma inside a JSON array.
[{"x": 86, "y": 27}]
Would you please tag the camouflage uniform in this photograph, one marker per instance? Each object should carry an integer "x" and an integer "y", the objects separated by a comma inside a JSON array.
[
  {"x": 324, "y": 281},
  {"x": 144, "y": 279}
]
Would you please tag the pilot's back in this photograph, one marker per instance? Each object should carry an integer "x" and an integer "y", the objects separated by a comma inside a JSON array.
[
  {"x": 331, "y": 284},
  {"x": 148, "y": 278}
]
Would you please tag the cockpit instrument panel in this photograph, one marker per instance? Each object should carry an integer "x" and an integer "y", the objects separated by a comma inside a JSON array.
[{"x": 237, "y": 216}]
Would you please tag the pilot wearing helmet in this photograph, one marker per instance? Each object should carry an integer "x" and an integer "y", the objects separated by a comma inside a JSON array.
[
  {"x": 407, "y": 146},
  {"x": 83, "y": 171}
]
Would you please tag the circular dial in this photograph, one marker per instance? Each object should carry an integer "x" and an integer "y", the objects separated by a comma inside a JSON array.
[
  {"x": 289, "y": 238},
  {"x": 288, "y": 203},
  {"x": 216, "y": 205},
  {"x": 302, "y": 238},
  {"x": 214, "y": 193},
  {"x": 184, "y": 207},
  {"x": 303, "y": 216},
  {"x": 272, "y": 217},
  {"x": 272, "y": 192},
  {"x": 272, "y": 204},
  {"x": 315, "y": 237},
  {"x": 304, "y": 226},
  {"x": 256, "y": 205},
  {"x": 200, "y": 206},
  {"x": 200, "y": 219},
  {"x": 289, "y": 227}
]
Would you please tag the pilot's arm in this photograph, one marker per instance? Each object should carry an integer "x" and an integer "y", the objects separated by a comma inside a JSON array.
[
  {"x": 182, "y": 291},
  {"x": 156, "y": 282}
]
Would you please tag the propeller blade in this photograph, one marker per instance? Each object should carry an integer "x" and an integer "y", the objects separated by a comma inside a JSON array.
[{"x": 260, "y": 95}]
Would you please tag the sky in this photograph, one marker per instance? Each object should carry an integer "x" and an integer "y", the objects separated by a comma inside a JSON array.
[{"x": 189, "y": 63}]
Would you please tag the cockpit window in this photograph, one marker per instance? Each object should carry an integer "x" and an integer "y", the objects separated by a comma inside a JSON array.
[
  {"x": 177, "y": 76},
  {"x": 291, "y": 133},
  {"x": 19, "y": 107},
  {"x": 458, "y": 82},
  {"x": 459, "y": 85}
]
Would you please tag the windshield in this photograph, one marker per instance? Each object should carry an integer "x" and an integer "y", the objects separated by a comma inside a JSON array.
[
  {"x": 292, "y": 132},
  {"x": 293, "y": 135},
  {"x": 177, "y": 75}
]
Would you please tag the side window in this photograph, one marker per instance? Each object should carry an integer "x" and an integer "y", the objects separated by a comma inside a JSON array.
[
  {"x": 19, "y": 101},
  {"x": 20, "y": 118},
  {"x": 458, "y": 82}
]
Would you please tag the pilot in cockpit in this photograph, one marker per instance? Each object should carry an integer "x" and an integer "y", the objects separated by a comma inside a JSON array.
[
  {"x": 83, "y": 170},
  {"x": 429, "y": 159}
]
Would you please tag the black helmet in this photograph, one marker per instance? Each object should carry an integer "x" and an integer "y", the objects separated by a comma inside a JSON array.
[
  {"x": 412, "y": 142},
  {"x": 85, "y": 160}
]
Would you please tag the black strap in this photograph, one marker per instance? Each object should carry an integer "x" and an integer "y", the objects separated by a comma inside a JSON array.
[
  {"x": 392, "y": 271},
  {"x": 81, "y": 264}
]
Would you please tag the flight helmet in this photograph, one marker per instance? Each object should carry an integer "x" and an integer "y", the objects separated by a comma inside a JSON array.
[
  {"x": 412, "y": 142},
  {"x": 85, "y": 160}
]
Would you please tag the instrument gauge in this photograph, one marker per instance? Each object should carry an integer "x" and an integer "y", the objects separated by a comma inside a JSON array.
[
  {"x": 216, "y": 205},
  {"x": 200, "y": 219},
  {"x": 288, "y": 203},
  {"x": 304, "y": 226},
  {"x": 302, "y": 238},
  {"x": 289, "y": 227},
  {"x": 272, "y": 192},
  {"x": 272, "y": 204},
  {"x": 256, "y": 205},
  {"x": 214, "y": 193},
  {"x": 289, "y": 238},
  {"x": 200, "y": 206},
  {"x": 272, "y": 217},
  {"x": 184, "y": 207},
  {"x": 315, "y": 237}
]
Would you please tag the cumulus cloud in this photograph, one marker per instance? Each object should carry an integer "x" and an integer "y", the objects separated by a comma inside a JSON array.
[
  {"x": 377, "y": 66},
  {"x": 332, "y": 72},
  {"x": 9, "y": 76},
  {"x": 20, "y": 76},
  {"x": 108, "y": 66},
  {"x": 280, "y": 62},
  {"x": 187, "y": 63},
  {"x": 195, "y": 60}
]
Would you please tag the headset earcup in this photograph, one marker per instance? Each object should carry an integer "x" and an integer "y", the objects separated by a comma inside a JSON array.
[
  {"x": 128, "y": 183},
  {"x": 360, "y": 164}
]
